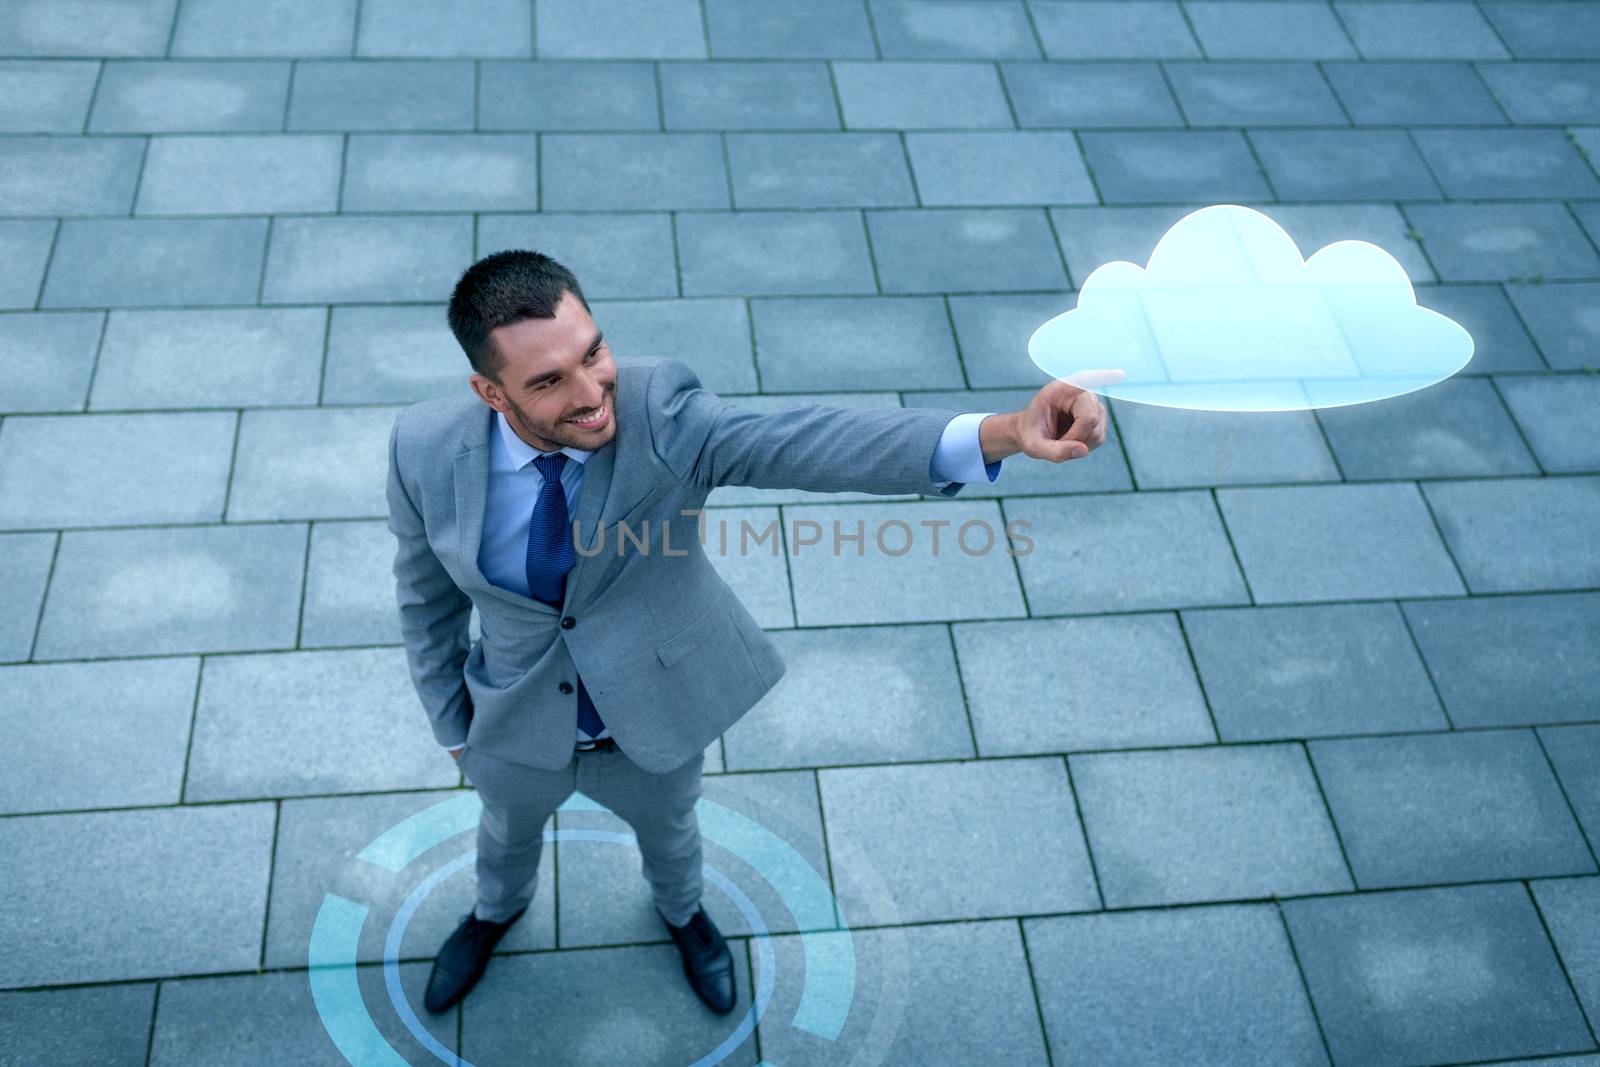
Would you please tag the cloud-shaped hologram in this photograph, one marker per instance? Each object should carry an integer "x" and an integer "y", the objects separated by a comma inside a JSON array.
[{"x": 1228, "y": 317}]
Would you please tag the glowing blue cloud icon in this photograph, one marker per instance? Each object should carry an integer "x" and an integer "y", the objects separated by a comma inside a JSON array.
[{"x": 1228, "y": 317}]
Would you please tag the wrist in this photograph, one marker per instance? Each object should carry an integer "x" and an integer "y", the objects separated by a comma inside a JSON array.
[{"x": 997, "y": 436}]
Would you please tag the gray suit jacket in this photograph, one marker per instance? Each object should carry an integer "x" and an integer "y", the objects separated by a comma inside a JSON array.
[{"x": 667, "y": 652}]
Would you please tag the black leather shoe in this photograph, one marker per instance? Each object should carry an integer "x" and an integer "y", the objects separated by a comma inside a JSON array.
[
  {"x": 462, "y": 959},
  {"x": 706, "y": 960}
]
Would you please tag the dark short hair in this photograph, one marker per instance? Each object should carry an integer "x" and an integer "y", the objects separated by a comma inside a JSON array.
[{"x": 502, "y": 288}]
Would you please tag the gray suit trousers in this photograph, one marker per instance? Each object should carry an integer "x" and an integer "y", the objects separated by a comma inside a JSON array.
[{"x": 518, "y": 800}]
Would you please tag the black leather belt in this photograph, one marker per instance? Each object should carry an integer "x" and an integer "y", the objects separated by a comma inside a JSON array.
[{"x": 605, "y": 744}]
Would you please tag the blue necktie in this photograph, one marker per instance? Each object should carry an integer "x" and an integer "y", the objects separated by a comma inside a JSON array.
[{"x": 550, "y": 557}]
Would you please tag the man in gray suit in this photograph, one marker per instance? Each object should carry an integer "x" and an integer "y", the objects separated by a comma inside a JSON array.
[{"x": 603, "y": 670}]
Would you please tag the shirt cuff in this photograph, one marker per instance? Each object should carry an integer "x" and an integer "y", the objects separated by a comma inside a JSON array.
[{"x": 959, "y": 456}]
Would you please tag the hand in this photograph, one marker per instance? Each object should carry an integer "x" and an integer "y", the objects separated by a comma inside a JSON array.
[
  {"x": 1064, "y": 420},
  {"x": 455, "y": 754}
]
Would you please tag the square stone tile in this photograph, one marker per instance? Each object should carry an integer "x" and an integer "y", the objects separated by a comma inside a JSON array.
[
  {"x": 1231, "y": 30},
  {"x": 1513, "y": 535},
  {"x": 95, "y": 878},
  {"x": 1112, "y": 29},
  {"x": 1005, "y": 829},
  {"x": 366, "y": 258},
  {"x": 918, "y": 95},
  {"x": 155, "y": 262},
  {"x": 1172, "y": 448},
  {"x": 1253, "y": 94},
  {"x": 72, "y": 744},
  {"x": 1563, "y": 322},
  {"x": 993, "y": 332},
  {"x": 963, "y": 29},
  {"x": 78, "y": 1024},
  {"x": 619, "y": 29},
  {"x": 1434, "y": 975},
  {"x": 999, "y": 167},
  {"x": 1420, "y": 31},
  {"x": 1452, "y": 428},
  {"x": 1500, "y": 341},
  {"x": 1473, "y": 806},
  {"x": 267, "y": 27},
  {"x": 233, "y": 357},
  {"x": 774, "y": 253},
  {"x": 558, "y": 95},
  {"x": 25, "y": 245},
  {"x": 311, "y": 463},
  {"x": 1028, "y": 693},
  {"x": 757, "y": 575},
  {"x": 1568, "y": 906},
  {"x": 1546, "y": 30},
  {"x": 402, "y": 95},
  {"x": 1574, "y": 752},
  {"x": 622, "y": 255},
  {"x": 113, "y": 470},
  {"x": 1545, "y": 92},
  {"x": 441, "y": 172},
  {"x": 42, "y": 28},
  {"x": 1387, "y": 93},
  {"x": 350, "y": 597},
  {"x": 1344, "y": 164},
  {"x": 1083, "y": 95},
  {"x": 1123, "y": 552},
  {"x": 158, "y": 591},
  {"x": 68, "y": 175},
  {"x": 1213, "y": 985},
  {"x": 822, "y": 29},
  {"x": 915, "y": 713},
  {"x": 273, "y": 173},
  {"x": 1494, "y": 242},
  {"x": 46, "y": 96},
  {"x": 1314, "y": 226},
  {"x": 1338, "y": 542},
  {"x": 1273, "y": 674},
  {"x": 1506, "y": 164},
  {"x": 817, "y": 343},
  {"x": 730, "y": 96},
  {"x": 24, "y": 567},
  {"x": 392, "y": 355},
  {"x": 900, "y": 574},
  {"x": 48, "y": 359},
  {"x": 632, "y": 171},
  {"x": 1512, "y": 660},
  {"x": 1198, "y": 824},
  {"x": 712, "y": 336},
  {"x": 1182, "y": 165},
  {"x": 965, "y": 250},
  {"x": 1553, "y": 412},
  {"x": 466, "y": 29},
  {"x": 162, "y": 96}
]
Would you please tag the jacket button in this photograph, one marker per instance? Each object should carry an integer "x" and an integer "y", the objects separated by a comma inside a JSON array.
[
  {"x": 568, "y": 622},
  {"x": 565, "y": 687}
]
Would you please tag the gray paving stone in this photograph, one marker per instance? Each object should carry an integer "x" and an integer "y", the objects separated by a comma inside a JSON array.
[
  {"x": 1473, "y": 164},
  {"x": 1344, "y": 164},
  {"x": 1231, "y": 30},
  {"x": 802, "y": 722},
  {"x": 158, "y": 96},
  {"x": 1589, "y": 216},
  {"x": 1574, "y": 752},
  {"x": 962, "y": 29},
  {"x": 468, "y": 29},
  {"x": 45, "y": 96},
  {"x": 155, "y": 262},
  {"x": 920, "y": 95},
  {"x": 1562, "y": 320},
  {"x": 759, "y": 579},
  {"x": 816, "y": 344},
  {"x": 73, "y": 746},
  {"x": 1113, "y": 29},
  {"x": 1254, "y": 93},
  {"x": 632, "y": 171},
  {"x": 49, "y": 358},
  {"x": 24, "y": 568},
  {"x": 1313, "y": 226},
  {"x": 1545, "y": 92},
  {"x": 1457, "y": 807},
  {"x": 391, "y": 355},
  {"x": 620, "y": 29},
  {"x": 1337, "y": 542},
  {"x": 1500, "y": 341},
  {"x": 1390, "y": 93},
  {"x": 266, "y": 28},
  {"x": 349, "y": 594},
  {"x": 1187, "y": 825},
  {"x": 1555, "y": 414},
  {"x": 557, "y": 95},
  {"x": 822, "y": 29},
  {"x": 1420, "y": 31},
  {"x": 999, "y": 167},
  {"x": 402, "y": 95},
  {"x": 774, "y": 253},
  {"x": 993, "y": 333},
  {"x": 1171, "y": 448},
  {"x": 42, "y": 28},
  {"x": 95, "y": 901},
  {"x": 905, "y": 579},
  {"x": 365, "y": 258},
  {"x": 712, "y": 336},
  {"x": 1569, "y": 906},
  {"x": 166, "y": 467},
  {"x": 25, "y": 247},
  {"x": 242, "y": 175},
  {"x": 621, "y": 255},
  {"x": 1547, "y": 30},
  {"x": 1515, "y": 535},
  {"x": 730, "y": 96},
  {"x": 1456, "y": 427},
  {"x": 44, "y": 175},
  {"x": 1083, "y": 95},
  {"x": 965, "y": 250},
  {"x": 165, "y": 590},
  {"x": 895, "y": 832},
  {"x": 232, "y": 357},
  {"x": 107, "y": 1025},
  {"x": 1028, "y": 694},
  {"x": 803, "y": 170},
  {"x": 311, "y": 463},
  {"x": 1123, "y": 552},
  {"x": 1215, "y": 985},
  {"x": 1434, "y": 975},
  {"x": 1511, "y": 660},
  {"x": 1090, "y": 236},
  {"x": 1136, "y": 167},
  {"x": 922, "y": 976},
  {"x": 441, "y": 172}
]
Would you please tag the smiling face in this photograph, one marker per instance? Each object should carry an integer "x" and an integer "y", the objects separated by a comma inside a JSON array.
[{"x": 556, "y": 371}]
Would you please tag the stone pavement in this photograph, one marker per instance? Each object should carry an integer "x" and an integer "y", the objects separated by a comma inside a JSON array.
[{"x": 1281, "y": 747}]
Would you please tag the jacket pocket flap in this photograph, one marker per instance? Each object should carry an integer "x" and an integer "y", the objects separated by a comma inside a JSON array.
[{"x": 681, "y": 643}]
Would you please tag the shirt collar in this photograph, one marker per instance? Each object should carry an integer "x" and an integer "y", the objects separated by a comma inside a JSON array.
[{"x": 522, "y": 453}]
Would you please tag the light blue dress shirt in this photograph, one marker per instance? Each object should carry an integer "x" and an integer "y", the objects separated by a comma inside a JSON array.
[{"x": 514, "y": 482}]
